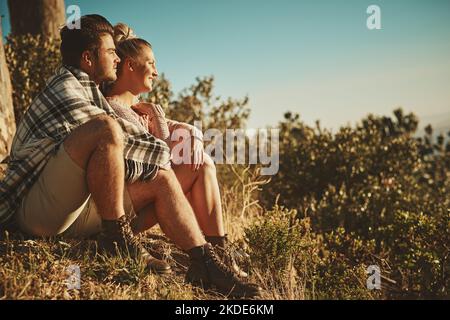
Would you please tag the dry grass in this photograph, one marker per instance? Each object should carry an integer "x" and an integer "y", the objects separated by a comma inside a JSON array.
[{"x": 39, "y": 268}]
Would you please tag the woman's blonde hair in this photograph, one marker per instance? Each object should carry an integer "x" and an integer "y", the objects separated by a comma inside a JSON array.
[{"x": 127, "y": 43}]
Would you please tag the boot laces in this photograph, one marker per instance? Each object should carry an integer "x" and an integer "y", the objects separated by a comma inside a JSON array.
[
  {"x": 127, "y": 234},
  {"x": 231, "y": 253},
  {"x": 218, "y": 262}
]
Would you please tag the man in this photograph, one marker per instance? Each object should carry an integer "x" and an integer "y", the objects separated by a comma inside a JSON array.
[{"x": 71, "y": 152}]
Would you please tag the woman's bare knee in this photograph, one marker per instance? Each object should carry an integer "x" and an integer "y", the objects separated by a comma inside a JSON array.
[{"x": 208, "y": 164}]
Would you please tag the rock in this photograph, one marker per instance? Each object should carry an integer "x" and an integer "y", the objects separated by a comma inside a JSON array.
[{"x": 7, "y": 121}]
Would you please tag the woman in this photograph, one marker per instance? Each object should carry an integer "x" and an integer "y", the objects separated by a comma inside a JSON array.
[{"x": 135, "y": 75}]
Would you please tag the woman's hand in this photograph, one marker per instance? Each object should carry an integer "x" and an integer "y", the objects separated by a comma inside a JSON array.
[
  {"x": 197, "y": 159},
  {"x": 195, "y": 139}
]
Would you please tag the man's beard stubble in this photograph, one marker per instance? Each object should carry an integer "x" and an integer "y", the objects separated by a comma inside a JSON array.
[{"x": 101, "y": 75}]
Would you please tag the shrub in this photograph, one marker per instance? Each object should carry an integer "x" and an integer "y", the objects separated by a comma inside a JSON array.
[
  {"x": 281, "y": 244},
  {"x": 31, "y": 60},
  {"x": 277, "y": 239},
  {"x": 372, "y": 191}
]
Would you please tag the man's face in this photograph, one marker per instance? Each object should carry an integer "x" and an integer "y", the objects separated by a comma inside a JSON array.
[{"x": 106, "y": 60}]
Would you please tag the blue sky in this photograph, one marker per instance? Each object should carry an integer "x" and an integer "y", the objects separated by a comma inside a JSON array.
[{"x": 316, "y": 58}]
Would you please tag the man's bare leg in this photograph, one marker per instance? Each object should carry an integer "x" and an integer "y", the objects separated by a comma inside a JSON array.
[
  {"x": 97, "y": 147},
  {"x": 172, "y": 209}
]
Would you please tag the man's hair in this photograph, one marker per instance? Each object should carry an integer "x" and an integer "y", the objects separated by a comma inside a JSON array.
[{"x": 75, "y": 41}]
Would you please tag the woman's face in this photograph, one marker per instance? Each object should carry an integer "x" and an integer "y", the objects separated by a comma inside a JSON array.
[{"x": 143, "y": 71}]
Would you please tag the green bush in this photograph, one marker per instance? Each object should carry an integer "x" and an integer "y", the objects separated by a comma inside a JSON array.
[
  {"x": 420, "y": 251},
  {"x": 377, "y": 187},
  {"x": 31, "y": 60},
  {"x": 280, "y": 241}
]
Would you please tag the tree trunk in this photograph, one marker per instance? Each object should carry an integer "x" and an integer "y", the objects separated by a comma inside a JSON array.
[
  {"x": 37, "y": 17},
  {"x": 7, "y": 122}
]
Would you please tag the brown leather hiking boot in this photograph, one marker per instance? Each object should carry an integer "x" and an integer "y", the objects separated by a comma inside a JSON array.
[
  {"x": 208, "y": 271},
  {"x": 227, "y": 253},
  {"x": 117, "y": 237}
]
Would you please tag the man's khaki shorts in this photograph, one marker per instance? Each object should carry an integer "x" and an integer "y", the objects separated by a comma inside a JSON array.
[{"x": 60, "y": 203}]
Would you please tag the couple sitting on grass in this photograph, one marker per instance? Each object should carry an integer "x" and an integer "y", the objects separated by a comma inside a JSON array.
[{"x": 85, "y": 162}]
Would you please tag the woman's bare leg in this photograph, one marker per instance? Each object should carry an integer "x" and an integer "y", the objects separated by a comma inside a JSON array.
[{"x": 205, "y": 197}]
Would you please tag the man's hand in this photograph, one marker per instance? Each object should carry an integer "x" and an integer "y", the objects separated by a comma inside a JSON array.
[
  {"x": 150, "y": 109},
  {"x": 154, "y": 118}
]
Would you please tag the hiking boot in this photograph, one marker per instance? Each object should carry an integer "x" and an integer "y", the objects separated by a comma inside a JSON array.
[
  {"x": 207, "y": 270},
  {"x": 117, "y": 237},
  {"x": 227, "y": 253}
]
